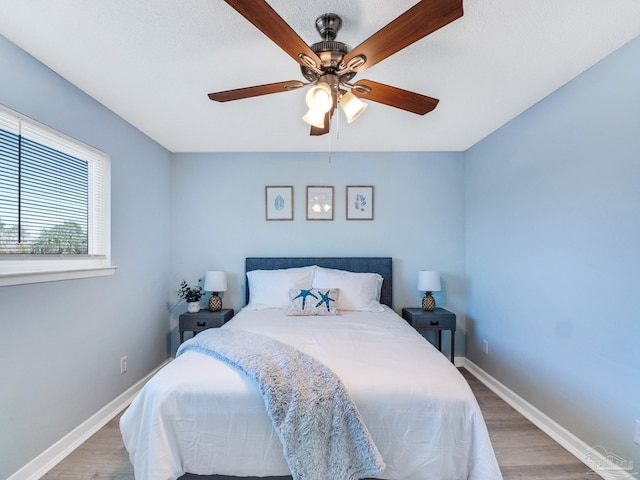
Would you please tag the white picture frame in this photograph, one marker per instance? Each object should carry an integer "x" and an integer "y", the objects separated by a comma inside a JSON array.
[
  {"x": 319, "y": 203},
  {"x": 278, "y": 202},
  {"x": 359, "y": 202}
]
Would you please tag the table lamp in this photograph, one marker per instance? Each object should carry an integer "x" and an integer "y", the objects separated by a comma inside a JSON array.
[
  {"x": 428, "y": 282},
  {"x": 215, "y": 281}
]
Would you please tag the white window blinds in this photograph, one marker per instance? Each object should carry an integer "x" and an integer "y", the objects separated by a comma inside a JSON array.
[{"x": 54, "y": 195}]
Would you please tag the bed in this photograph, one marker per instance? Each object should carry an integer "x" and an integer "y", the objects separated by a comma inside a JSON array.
[{"x": 200, "y": 418}]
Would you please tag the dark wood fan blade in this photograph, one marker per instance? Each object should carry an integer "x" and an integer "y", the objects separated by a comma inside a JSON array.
[
  {"x": 395, "y": 97},
  {"x": 265, "y": 19},
  {"x": 240, "y": 93},
  {"x": 419, "y": 21}
]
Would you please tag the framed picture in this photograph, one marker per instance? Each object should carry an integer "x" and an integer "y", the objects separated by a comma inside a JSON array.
[
  {"x": 319, "y": 203},
  {"x": 279, "y": 203},
  {"x": 360, "y": 202}
]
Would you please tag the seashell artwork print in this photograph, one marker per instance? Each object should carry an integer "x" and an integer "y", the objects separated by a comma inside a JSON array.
[{"x": 278, "y": 203}]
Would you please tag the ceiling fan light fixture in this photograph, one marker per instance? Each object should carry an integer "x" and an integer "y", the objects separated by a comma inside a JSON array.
[
  {"x": 352, "y": 106},
  {"x": 330, "y": 64},
  {"x": 319, "y": 98},
  {"x": 314, "y": 117}
]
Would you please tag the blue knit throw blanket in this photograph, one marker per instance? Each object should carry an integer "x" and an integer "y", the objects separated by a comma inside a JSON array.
[{"x": 322, "y": 433}]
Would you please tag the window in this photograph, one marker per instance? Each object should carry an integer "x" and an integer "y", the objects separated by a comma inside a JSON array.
[{"x": 54, "y": 204}]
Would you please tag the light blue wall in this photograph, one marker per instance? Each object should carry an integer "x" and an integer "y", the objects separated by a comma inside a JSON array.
[
  {"x": 218, "y": 212},
  {"x": 61, "y": 342},
  {"x": 553, "y": 253},
  {"x": 544, "y": 221}
]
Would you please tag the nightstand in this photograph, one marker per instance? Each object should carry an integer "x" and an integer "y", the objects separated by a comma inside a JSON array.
[
  {"x": 440, "y": 319},
  {"x": 199, "y": 321}
]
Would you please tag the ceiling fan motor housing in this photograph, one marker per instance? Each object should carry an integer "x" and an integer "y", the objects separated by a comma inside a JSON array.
[
  {"x": 328, "y": 25},
  {"x": 330, "y": 51}
]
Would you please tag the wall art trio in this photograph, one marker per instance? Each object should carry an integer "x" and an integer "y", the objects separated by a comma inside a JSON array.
[{"x": 320, "y": 202}]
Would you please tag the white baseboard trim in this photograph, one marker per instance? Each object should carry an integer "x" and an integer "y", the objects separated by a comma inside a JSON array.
[
  {"x": 605, "y": 464},
  {"x": 53, "y": 455}
]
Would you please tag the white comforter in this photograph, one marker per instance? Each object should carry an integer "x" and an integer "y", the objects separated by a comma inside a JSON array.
[{"x": 201, "y": 416}]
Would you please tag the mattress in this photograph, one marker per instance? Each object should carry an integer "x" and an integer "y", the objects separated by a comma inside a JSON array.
[{"x": 201, "y": 416}]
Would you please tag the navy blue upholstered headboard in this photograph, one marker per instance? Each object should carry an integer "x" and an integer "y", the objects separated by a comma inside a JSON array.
[{"x": 381, "y": 265}]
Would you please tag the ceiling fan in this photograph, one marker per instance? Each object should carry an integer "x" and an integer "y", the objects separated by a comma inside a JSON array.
[{"x": 329, "y": 65}]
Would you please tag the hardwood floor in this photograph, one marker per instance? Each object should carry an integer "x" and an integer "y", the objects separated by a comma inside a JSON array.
[
  {"x": 102, "y": 457},
  {"x": 524, "y": 452}
]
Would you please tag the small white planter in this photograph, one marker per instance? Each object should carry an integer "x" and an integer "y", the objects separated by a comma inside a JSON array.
[{"x": 193, "y": 307}]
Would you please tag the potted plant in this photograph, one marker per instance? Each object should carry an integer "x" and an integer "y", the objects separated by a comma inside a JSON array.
[{"x": 191, "y": 295}]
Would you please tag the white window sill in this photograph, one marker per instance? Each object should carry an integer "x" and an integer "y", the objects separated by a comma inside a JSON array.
[{"x": 23, "y": 278}]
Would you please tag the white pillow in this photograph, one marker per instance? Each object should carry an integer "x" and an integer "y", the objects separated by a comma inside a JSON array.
[
  {"x": 358, "y": 291},
  {"x": 270, "y": 288}
]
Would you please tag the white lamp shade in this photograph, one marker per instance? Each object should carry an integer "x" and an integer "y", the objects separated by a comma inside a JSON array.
[
  {"x": 215, "y": 281},
  {"x": 352, "y": 106},
  {"x": 319, "y": 98},
  {"x": 315, "y": 118},
  {"x": 428, "y": 281}
]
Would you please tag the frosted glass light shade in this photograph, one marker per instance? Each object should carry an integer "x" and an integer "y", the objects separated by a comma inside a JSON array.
[
  {"x": 315, "y": 118},
  {"x": 215, "y": 281},
  {"x": 319, "y": 98},
  {"x": 428, "y": 281},
  {"x": 352, "y": 106}
]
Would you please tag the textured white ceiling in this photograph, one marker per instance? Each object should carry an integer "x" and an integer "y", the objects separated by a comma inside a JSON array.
[{"x": 153, "y": 62}]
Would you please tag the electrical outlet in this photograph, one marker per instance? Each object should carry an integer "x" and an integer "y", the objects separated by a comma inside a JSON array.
[
  {"x": 123, "y": 365},
  {"x": 485, "y": 347},
  {"x": 636, "y": 436}
]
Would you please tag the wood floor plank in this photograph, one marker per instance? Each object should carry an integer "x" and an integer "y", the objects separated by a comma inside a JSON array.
[{"x": 523, "y": 451}]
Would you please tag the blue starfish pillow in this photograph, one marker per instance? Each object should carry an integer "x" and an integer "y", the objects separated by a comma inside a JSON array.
[{"x": 313, "y": 301}]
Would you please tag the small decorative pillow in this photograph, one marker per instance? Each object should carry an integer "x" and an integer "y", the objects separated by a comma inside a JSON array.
[{"x": 313, "y": 301}]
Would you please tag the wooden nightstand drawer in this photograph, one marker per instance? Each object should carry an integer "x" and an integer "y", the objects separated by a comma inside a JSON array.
[
  {"x": 194, "y": 322},
  {"x": 442, "y": 322},
  {"x": 202, "y": 320},
  {"x": 421, "y": 319}
]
